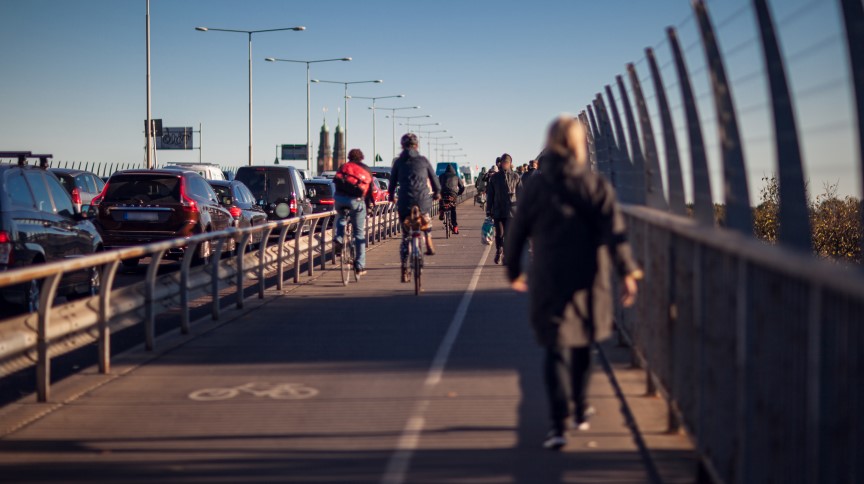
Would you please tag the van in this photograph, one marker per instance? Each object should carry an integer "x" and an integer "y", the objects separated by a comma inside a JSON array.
[
  {"x": 210, "y": 171},
  {"x": 442, "y": 167},
  {"x": 279, "y": 190}
]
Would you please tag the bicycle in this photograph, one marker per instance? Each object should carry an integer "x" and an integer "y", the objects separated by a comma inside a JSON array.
[
  {"x": 415, "y": 255},
  {"x": 349, "y": 248},
  {"x": 281, "y": 391}
]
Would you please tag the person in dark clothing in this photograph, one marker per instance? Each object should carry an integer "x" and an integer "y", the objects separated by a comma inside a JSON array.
[
  {"x": 357, "y": 207},
  {"x": 415, "y": 178},
  {"x": 501, "y": 195},
  {"x": 531, "y": 171},
  {"x": 451, "y": 187},
  {"x": 571, "y": 216}
]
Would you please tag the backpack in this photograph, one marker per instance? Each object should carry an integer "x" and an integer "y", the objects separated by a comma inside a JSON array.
[{"x": 353, "y": 180}]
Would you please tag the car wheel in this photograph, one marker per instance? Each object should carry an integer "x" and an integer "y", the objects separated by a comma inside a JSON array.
[{"x": 203, "y": 255}]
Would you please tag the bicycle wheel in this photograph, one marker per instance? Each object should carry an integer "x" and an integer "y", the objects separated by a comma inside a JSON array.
[
  {"x": 213, "y": 394},
  {"x": 347, "y": 263},
  {"x": 353, "y": 252},
  {"x": 418, "y": 267},
  {"x": 292, "y": 391},
  {"x": 447, "y": 223}
]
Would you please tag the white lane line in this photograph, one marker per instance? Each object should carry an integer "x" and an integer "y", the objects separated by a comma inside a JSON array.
[{"x": 397, "y": 467}]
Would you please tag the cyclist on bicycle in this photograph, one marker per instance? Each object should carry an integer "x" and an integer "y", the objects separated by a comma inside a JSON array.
[
  {"x": 354, "y": 192},
  {"x": 415, "y": 178},
  {"x": 451, "y": 187}
]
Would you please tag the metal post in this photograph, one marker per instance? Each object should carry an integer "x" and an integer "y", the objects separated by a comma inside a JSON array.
[
  {"x": 241, "y": 252},
  {"x": 185, "y": 267},
  {"x": 262, "y": 251},
  {"x": 703, "y": 202},
  {"x": 653, "y": 181},
  {"x": 638, "y": 174},
  {"x": 853, "y": 21},
  {"x": 150, "y": 308},
  {"x": 794, "y": 229},
  {"x": 298, "y": 234},
  {"x": 677, "y": 203},
  {"x": 250, "y": 98},
  {"x": 149, "y": 130},
  {"x": 622, "y": 158},
  {"x": 310, "y": 250},
  {"x": 200, "y": 142},
  {"x": 738, "y": 212},
  {"x": 345, "y": 132},
  {"x": 280, "y": 256},
  {"x": 374, "y": 147},
  {"x": 308, "y": 126},
  {"x": 43, "y": 362},
  {"x": 214, "y": 280},
  {"x": 108, "y": 273}
]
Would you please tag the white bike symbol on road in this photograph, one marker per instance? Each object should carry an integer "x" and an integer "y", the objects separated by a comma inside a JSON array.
[{"x": 279, "y": 391}]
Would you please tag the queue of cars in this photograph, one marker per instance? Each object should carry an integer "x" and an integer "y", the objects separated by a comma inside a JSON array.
[{"x": 55, "y": 214}]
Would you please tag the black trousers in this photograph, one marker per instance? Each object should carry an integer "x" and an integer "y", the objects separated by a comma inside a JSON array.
[
  {"x": 566, "y": 373},
  {"x": 452, "y": 209},
  {"x": 500, "y": 232}
]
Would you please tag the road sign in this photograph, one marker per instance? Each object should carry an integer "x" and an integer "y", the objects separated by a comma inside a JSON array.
[
  {"x": 294, "y": 152},
  {"x": 157, "y": 127},
  {"x": 175, "y": 139}
]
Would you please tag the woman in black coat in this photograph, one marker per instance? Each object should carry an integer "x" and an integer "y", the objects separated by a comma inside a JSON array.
[
  {"x": 501, "y": 196},
  {"x": 578, "y": 238}
]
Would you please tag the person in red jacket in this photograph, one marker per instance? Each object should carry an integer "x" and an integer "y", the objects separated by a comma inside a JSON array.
[{"x": 355, "y": 192}]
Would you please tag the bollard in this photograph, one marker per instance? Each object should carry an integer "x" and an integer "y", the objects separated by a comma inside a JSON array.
[
  {"x": 43, "y": 363},
  {"x": 108, "y": 273},
  {"x": 150, "y": 305}
]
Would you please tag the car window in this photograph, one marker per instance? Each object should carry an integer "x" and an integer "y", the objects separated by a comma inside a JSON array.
[
  {"x": 138, "y": 189},
  {"x": 67, "y": 181},
  {"x": 62, "y": 202},
  {"x": 36, "y": 180},
  {"x": 254, "y": 181},
  {"x": 299, "y": 188},
  {"x": 99, "y": 184},
  {"x": 222, "y": 191},
  {"x": 19, "y": 192},
  {"x": 202, "y": 189},
  {"x": 241, "y": 194},
  {"x": 279, "y": 185},
  {"x": 81, "y": 183}
]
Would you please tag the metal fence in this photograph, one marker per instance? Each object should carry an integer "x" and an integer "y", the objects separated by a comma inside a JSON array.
[{"x": 756, "y": 347}]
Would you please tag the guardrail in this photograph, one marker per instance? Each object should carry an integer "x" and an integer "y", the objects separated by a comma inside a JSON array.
[
  {"x": 756, "y": 347},
  {"x": 33, "y": 339}
]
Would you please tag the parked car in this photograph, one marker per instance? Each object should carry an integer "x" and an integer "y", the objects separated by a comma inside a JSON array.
[
  {"x": 210, "y": 171},
  {"x": 321, "y": 193},
  {"x": 380, "y": 189},
  {"x": 39, "y": 223},
  {"x": 279, "y": 190},
  {"x": 141, "y": 206},
  {"x": 236, "y": 197},
  {"x": 380, "y": 172},
  {"x": 81, "y": 185}
]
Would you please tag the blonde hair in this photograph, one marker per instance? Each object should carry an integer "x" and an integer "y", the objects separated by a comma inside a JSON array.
[{"x": 567, "y": 138}]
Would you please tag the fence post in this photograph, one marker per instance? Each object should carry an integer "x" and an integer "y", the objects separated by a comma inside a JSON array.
[
  {"x": 298, "y": 234},
  {"x": 853, "y": 21},
  {"x": 262, "y": 251},
  {"x": 185, "y": 267},
  {"x": 622, "y": 160},
  {"x": 214, "y": 279},
  {"x": 677, "y": 203},
  {"x": 241, "y": 253},
  {"x": 323, "y": 241},
  {"x": 794, "y": 227},
  {"x": 43, "y": 362},
  {"x": 638, "y": 178},
  {"x": 310, "y": 250},
  {"x": 738, "y": 212},
  {"x": 280, "y": 256},
  {"x": 150, "y": 308},
  {"x": 108, "y": 273},
  {"x": 654, "y": 196},
  {"x": 593, "y": 138}
]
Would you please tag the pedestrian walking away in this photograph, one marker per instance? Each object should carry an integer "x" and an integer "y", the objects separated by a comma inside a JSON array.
[
  {"x": 501, "y": 196},
  {"x": 417, "y": 185},
  {"x": 572, "y": 218},
  {"x": 451, "y": 187},
  {"x": 354, "y": 192}
]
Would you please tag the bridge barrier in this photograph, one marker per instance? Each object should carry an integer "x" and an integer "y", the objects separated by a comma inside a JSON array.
[{"x": 757, "y": 349}]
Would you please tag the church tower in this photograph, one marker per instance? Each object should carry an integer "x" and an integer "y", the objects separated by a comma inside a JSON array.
[
  {"x": 339, "y": 156},
  {"x": 325, "y": 156}
]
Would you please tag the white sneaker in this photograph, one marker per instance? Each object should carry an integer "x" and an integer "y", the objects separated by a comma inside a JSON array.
[
  {"x": 582, "y": 424},
  {"x": 555, "y": 440}
]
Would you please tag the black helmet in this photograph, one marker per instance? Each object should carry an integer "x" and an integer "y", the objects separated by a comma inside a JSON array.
[{"x": 409, "y": 140}]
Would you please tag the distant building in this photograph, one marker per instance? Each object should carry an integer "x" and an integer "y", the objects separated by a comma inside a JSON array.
[
  {"x": 325, "y": 155},
  {"x": 339, "y": 154}
]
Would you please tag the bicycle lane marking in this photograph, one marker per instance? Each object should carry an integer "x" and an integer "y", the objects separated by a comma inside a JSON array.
[{"x": 400, "y": 460}]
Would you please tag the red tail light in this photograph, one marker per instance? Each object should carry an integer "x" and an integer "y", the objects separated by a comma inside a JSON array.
[
  {"x": 235, "y": 212},
  {"x": 98, "y": 198},
  {"x": 189, "y": 205},
  {"x": 76, "y": 196},
  {"x": 326, "y": 201},
  {"x": 293, "y": 206},
  {"x": 5, "y": 248}
]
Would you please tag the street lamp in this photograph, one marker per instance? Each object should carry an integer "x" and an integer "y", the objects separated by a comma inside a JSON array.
[
  {"x": 429, "y": 139},
  {"x": 249, "y": 33},
  {"x": 346, "y": 83},
  {"x": 439, "y": 150},
  {"x": 393, "y": 117},
  {"x": 409, "y": 118},
  {"x": 308, "y": 106},
  {"x": 374, "y": 98}
]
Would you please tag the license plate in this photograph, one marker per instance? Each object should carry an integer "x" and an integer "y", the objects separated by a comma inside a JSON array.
[{"x": 141, "y": 216}]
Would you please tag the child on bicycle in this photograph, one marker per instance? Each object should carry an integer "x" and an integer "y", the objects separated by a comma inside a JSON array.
[{"x": 354, "y": 192}]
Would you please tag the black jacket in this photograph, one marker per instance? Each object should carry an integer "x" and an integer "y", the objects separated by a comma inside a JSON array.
[
  {"x": 578, "y": 238},
  {"x": 501, "y": 194},
  {"x": 451, "y": 182},
  {"x": 414, "y": 176}
]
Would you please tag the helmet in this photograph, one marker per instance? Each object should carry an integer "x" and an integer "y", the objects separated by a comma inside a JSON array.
[{"x": 409, "y": 140}]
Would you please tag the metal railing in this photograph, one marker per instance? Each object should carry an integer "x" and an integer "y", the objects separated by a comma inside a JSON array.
[
  {"x": 755, "y": 347},
  {"x": 56, "y": 329}
]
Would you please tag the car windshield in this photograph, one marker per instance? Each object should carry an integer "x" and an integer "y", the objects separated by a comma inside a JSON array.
[
  {"x": 67, "y": 181},
  {"x": 254, "y": 181},
  {"x": 322, "y": 190},
  {"x": 143, "y": 189},
  {"x": 221, "y": 191}
]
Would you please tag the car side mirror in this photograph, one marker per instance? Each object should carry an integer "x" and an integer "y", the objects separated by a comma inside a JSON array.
[{"x": 310, "y": 193}]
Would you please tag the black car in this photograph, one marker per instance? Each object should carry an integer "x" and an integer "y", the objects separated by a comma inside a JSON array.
[
  {"x": 142, "y": 206},
  {"x": 279, "y": 190},
  {"x": 237, "y": 198},
  {"x": 39, "y": 223},
  {"x": 82, "y": 185},
  {"x": 321, "y": 193}
]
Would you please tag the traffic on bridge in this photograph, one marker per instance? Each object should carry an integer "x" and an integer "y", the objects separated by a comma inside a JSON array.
[{"x": 663, "y": 284}]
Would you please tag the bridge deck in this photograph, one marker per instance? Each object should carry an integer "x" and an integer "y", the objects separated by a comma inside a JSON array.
[{"x": 382, "y": 412}]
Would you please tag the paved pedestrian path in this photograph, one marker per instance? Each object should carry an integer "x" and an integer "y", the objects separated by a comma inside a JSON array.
[{"x": 356, "y": 384}]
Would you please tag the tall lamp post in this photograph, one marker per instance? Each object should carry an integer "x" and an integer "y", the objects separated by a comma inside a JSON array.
[
  {"x": 249, "y": 33},
  {"x": 409, "y": 118},
  {"x": 374, "y": 98},
  {"x": 440, "y": 150},
  {"x": 428, "y": 139},
  {"x": 308, "y": 105},
  {"x": 346, "y": 83},
  {"x": 437, "y": 139},
  {"x": 393, "y": 117}
]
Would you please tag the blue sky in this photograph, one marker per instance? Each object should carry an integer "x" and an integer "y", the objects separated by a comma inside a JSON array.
[{"x": 493, "y": 73}]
